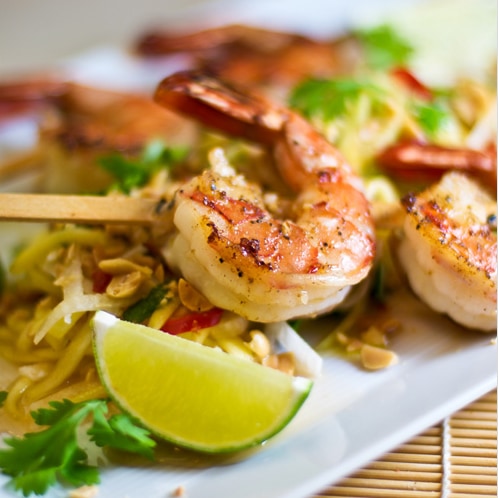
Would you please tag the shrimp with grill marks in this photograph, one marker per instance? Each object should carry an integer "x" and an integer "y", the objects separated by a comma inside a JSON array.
[
  {"x": 231, "y": 247},
  {"x": 448, "y": 250},
  {"x": 79, "y": 123},
  {"x": 249, "y": 55}
]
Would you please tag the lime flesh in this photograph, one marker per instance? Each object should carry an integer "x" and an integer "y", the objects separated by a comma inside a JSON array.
[{"x": 192, "y": 395}]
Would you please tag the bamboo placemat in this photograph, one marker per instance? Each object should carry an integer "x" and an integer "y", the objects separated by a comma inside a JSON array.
[{"x": 454, "y": 459}]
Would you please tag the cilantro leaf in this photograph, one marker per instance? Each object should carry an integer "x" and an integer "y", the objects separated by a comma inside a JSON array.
[
  {"x": 136, "y": 173},
  {"x": 129, "y": 174},
  {"x": 384, "y": 47},
  {"x": 432, "y": 117},
  {"x": 329, "y": 99},
  {"x": 49, "y": 416},
  {"x": 121, "y": 433},
  {"x": 157, "y": 153},
  {"x": 3, "y": 397},
  {"x": 39, "y": 460}
]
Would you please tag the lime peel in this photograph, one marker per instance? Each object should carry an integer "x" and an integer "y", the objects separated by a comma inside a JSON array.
[{"x": 189, "y": 394}]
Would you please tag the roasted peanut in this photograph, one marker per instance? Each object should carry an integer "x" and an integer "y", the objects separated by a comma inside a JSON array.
[
  {"x": 374, "y": 358},
  {"x": 191, "y": 298},
  {"x": 125, "y": 285}
]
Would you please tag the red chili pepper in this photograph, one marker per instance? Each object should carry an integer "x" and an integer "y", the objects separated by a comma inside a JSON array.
[
  {"x": 193, "y": 321},
  {"x": 412, "y": 83},
  {"x": 100, "y": 281}
]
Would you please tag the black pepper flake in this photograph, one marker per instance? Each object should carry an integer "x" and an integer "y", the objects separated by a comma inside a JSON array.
[{"x": 249, "y": 246}]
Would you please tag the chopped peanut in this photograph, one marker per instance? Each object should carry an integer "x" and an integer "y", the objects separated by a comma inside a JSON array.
[
  {"x": 270, "y": 361},
  {"x": 159, "y": 273},
  {"x": 374, "y": 358},
  {"x": 179, "y": 491},
  {"x": 342, "y": 338},
  {"x": 354, "y": 345},
  {"x": 120, "y": 266},
  {"x": 259, "y": 343},
  {"x": 374, "y": 337},
  {"x": 191, "y": 298},
  {"x": 284, "y": 362},
  {"x": 143, "y": 260},
  {"x": 84, "y": 492},
  {"x": 351, "y": 344},
  {"x": 125, "y": 285}
]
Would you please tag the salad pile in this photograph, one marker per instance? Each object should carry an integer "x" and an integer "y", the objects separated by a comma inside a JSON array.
[{"x": 399, "y": 135}]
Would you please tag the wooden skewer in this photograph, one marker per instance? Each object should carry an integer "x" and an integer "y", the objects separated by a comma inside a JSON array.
[{"x": 82, "y": 209}]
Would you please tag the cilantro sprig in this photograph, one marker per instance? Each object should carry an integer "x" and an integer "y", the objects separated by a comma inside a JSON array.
[
  {"x": 384, "y": 47},
  {"x": 39, "y": 460},
  {"x": 137, "y": 172},
  {"x": 329, "y": 98},
  {"x": 431, "y": 116}
]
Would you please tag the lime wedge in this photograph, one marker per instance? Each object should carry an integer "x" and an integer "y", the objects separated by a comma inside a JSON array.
[{"x": 189, "y": 394}]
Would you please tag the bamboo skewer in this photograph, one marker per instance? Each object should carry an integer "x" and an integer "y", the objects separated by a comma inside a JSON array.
[{"x": 82, "y": 209}]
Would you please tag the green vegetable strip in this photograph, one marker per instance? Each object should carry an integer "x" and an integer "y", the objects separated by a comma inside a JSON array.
[{"x": 144, "y": 308}]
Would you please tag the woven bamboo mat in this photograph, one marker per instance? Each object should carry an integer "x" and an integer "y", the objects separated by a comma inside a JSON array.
[{"x": 454, "y": 459}]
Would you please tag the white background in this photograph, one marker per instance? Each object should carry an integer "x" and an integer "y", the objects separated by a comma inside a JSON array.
[
  {"x": 33, "y": 33},
  {"x": 36, "y": 33}
]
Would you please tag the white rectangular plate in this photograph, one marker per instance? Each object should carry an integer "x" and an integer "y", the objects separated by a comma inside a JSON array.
[{"x": 352, "y": 416}]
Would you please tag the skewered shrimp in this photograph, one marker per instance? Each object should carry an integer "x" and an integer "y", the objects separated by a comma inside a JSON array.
[
  {"x": 253, "y": 56},
  {"x": 78, "y": 123},
  {"x": 232, "y": 248},
  {"x": 448, "y": 250}
]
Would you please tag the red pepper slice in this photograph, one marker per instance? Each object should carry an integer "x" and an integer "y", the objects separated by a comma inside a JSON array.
[
  {"x": 193, "y": 321},
  {"x": 100, "y": 281},
  {"x": 412, "y": 83}
]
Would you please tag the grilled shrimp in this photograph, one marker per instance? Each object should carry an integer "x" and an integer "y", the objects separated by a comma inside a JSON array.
[
  {"x": 254, "y": 56},
  {"x": 78, "y": 123},
  {"x": 231, "y": 247},
  {"x": 448, "y": 250}
]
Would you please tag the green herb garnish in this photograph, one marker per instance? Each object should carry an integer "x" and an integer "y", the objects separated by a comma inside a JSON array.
[
  {"x": 432, "y": 117},
  {"x": 143, "y": 308},
  {"x": 329, "y": 99},
  {"x": 39, "y": 460},
  {"x": 136, "y": 173},
  {"x": 3, "y": 397},
  {"x": 384, "y": 47},
  {"x": 121, "y": 433}
]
